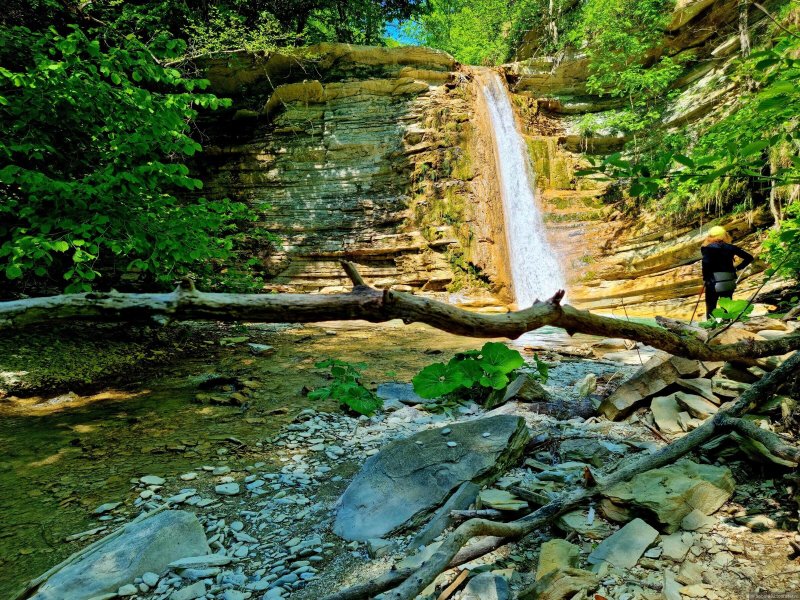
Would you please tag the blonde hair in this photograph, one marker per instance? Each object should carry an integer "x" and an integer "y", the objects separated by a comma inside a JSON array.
[
  {"x": 717, "y": 234},
  {"x": 713, "y": 240}
]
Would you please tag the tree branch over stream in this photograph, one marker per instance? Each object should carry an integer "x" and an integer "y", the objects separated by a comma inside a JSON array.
[{"x": 369, "y": 304}]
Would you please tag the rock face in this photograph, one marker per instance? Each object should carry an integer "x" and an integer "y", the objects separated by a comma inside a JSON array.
[
  {"x": 354, "y": 152},
  {"x": 407, "y": 480},
  {"x": 655, "y": 375},
  {"x": 671, "y": 493},
  {"x": 613, "y": 262},
  {"x": 146, "y": 546}
]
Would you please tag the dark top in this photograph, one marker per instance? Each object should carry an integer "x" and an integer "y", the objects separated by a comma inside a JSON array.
[{"x": 718, "y": 258}]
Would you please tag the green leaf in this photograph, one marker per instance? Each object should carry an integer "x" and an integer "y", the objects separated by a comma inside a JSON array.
[
  {"x": 436, "y": 380},
  {"x": 754, "y": 147},
  {"x": 496, "y": 380},
  {"x": 497, "y": 357},
  {"x": 13, "y": 272},
  {"x": 60, "y": 246}
]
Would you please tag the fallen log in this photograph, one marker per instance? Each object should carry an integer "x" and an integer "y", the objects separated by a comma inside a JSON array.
[
  {"x": 368, "y": 304},
  {"x": 726, "y": 419}
]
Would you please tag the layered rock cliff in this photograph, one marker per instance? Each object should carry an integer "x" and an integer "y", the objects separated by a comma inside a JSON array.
[
  {"x": 619, "y": 261},
  {"x": 357, "y": 153}
]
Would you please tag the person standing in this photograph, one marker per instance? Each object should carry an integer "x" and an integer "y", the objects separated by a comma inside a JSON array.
[{"x": 719, "y": 272}]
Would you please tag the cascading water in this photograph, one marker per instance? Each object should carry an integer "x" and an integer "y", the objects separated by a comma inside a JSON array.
[{"x": 535, "y": 270}]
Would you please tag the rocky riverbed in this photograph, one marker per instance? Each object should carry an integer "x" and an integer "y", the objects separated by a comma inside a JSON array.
[{"x": 266, "y": 496}]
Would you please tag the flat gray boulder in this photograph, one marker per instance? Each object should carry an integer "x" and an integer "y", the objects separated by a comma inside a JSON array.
[
  {"x": 410, "y": 478},
  {"x": 625, "y": 547},
  {"x": 147, "y": 546}
]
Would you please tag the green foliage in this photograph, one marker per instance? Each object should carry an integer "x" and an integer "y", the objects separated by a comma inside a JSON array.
[
  {"x": 475, "y": 32},
  {"x": 94, "y": 138},
  {"x": 753, "y": 148},
  {"x": 621, "y": 38},
  {"x": 729, "y": 310},
  {"x": 478, "y": 372},
  {"x": 541, "y": 26},
  {"x": 732, "y": 310},
  {"x": 346, "y": 388}
]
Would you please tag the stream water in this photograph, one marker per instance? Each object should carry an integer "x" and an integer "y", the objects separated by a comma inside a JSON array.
[{"x": 535, "y": 270}]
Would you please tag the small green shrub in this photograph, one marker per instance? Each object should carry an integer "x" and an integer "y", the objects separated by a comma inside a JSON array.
[
  {"x": 346, "y": 387},
  {"x": 480, "y": 373}
]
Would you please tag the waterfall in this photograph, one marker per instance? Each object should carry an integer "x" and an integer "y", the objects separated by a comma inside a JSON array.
[{"x": 535, "y": 271}]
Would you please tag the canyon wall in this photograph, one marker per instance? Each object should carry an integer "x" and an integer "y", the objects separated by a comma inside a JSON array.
[
  {"x": 358, "y": 153},
  {"x": 628, "y": 262}
]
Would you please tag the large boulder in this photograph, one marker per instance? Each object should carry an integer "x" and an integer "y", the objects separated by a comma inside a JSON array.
[
  {"x": 145, "y": 546},
  {"x": 656, "y": 374},
  {"x": 409, "y": 478},
  {"x": 671, "y": 493}
]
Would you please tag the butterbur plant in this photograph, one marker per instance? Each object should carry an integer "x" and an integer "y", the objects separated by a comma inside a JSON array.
[
  {"x": 346, "y": 387},
  {"x": 729, "y": 310},
  {"x": 481, "y": 372}
]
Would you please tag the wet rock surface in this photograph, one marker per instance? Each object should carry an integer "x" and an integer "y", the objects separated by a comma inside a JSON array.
[{"x": 411, "y": 477}]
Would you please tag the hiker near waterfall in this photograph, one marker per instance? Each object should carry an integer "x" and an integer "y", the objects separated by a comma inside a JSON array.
[{"x": 719, "y": 272}]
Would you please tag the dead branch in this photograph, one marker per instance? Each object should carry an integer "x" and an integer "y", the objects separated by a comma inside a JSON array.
[
  {"x": 771, "y": 441},
  {"x": 368, "y": 304},
  {"x": 463, "y": 515},
  {"x": 395, "y": 577},
  {"x": 749, "y": 400}
]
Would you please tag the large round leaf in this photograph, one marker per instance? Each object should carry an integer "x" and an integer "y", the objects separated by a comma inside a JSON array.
[
  {"x": 498, "y": 358},
  {"x": 437, "y": 380}
]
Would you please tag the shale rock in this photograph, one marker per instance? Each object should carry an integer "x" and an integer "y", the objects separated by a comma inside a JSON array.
[
  {"x": 486, "y": 586},
  {"x": 656, "y": 374},
  {"x": 671, "y": 493},
  {"x": 556, "y": 555},
  {"x": 147, "y": 546},
  {"x": 624, "y": 549},
  {"x": 407, "y": 480}
]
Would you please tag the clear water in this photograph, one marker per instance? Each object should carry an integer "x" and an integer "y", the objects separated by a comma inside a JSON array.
[{"x": 535, "y": 269}]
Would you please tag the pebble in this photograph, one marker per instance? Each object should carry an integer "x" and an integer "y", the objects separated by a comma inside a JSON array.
[
  {"x": 221, "y": 471},
  {"x": 227, "y": 489},
  {"x": 237, "y": 525},
  {"x": 196, "y": 590},
  {"x": 446, "y": 430},
  {"x": 486, "y": 434},
  {"x": 107, "y": 507},
  {"x": 128, "y": 590},
  {"x": 150, "y": 578},
  {"x": 452, "y": 444},
  {"x": 152, "y": 480},
  {"x": 189, "y": 476}
]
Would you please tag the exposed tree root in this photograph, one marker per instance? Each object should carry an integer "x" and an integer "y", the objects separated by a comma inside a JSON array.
[
  {"x": 724, "y": 420},
  {"x": 368, "y": 304}
]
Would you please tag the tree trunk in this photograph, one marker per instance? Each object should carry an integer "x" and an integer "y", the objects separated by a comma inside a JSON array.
[
  {"x": 373, "y": 305},
  {"x": 744, "y": 28}
]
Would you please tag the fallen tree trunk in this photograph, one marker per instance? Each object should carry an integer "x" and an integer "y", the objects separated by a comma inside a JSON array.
[
  {"x": 368, "y": 304},
  {"x": 725, "y": 420}
]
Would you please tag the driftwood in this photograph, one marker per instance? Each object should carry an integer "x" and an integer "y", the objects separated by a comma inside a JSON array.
[
  {"x": 368, "y": 304},
  {"x": 722, "y": 422}
]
